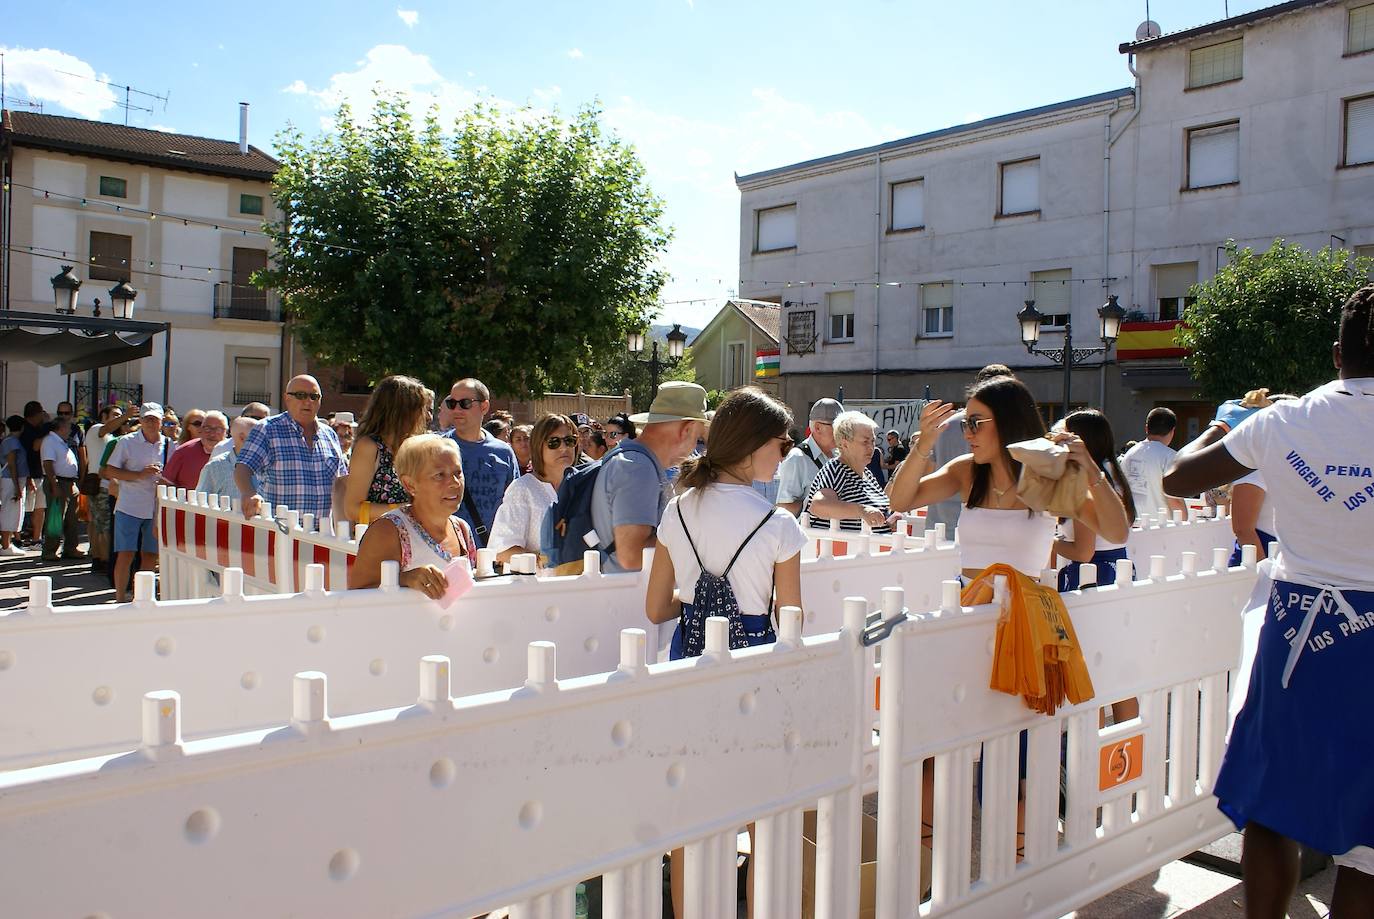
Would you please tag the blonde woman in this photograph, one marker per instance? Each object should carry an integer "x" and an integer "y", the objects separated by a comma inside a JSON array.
[{"x": 397, "y": 410}]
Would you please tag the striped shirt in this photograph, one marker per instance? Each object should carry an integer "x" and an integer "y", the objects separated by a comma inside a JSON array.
[
  {"x": 294, "y": 471},
  {"x": 849, "y": 486}
]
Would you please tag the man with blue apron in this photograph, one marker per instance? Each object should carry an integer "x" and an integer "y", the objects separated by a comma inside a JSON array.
[{"x": 1299, "y": 767}]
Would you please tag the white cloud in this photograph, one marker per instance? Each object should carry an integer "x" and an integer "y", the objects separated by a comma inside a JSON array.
[
  {"x": 396, "y": 69},
  {"x": 297, "y": 87},
  {"x": 576, "y": 54},
  {"x": 51, "y": 76},
  {"x": 163, "y": 127},
  {"x": 409, "y": 17}
]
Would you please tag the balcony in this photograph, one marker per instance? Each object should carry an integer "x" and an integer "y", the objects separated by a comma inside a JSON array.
[
  {"x": 1143, "y": 339},
  {"x": 243, "y": 301}
]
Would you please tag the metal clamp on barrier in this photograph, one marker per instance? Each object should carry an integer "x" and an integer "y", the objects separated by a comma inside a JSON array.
[{"x": 876, "y": 628}]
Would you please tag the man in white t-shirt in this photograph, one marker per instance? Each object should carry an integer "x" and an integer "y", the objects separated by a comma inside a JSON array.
[
  {"x": 1296, "y": 768},
  {"x": 799, "y": 467},
  {"x": 137, "y": 463},
  {"x": 60, "y": 471},
  {"x": 1146, "y": 463}
]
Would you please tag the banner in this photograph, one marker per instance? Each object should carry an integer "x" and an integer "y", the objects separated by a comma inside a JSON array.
[
  {"x": 902, "y": 416},
  {"x": 767, "y": 362}
]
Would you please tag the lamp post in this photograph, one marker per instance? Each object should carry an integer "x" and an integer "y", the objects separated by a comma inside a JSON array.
[
  {"x": 1109, "y": 315},
  {"x": 65, "y": 288},
  {"x": 677, "y": 341},
  {"x": 122, "y": 298}
]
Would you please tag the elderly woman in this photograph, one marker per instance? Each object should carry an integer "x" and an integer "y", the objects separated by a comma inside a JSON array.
[
  {"x": 398, "y": 409},
  {"x": 425, "y": 534},
  {"x": 515, "y": 530},
  {"x": 845, "y": 488}
]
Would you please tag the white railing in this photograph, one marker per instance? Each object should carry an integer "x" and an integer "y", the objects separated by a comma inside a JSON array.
[{"x": 513, "y": 795}]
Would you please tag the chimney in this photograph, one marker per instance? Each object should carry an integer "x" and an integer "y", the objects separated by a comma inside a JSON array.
[{"x": 243, "y": 128}]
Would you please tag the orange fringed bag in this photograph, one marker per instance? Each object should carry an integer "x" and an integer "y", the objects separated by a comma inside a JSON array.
[{"x": 1037, "y": 655}]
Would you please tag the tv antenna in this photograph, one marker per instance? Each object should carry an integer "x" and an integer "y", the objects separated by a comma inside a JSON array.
[
  {"x": 129, "y": 92},
  {"x": 7, "y": 100}
]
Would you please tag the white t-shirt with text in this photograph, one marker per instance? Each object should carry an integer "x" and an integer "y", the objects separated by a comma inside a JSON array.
[
  {"x": 719, "y": 517},
  {"x": 1145, "y": 465},
  {"x": 1317, "y": 457}
]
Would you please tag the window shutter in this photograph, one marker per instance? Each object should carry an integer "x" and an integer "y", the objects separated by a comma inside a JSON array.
[
  {"x": 1359, "y": 35},
  {"x": 1021, "y": 187},
  {"x": 908, "y": 205},
  {"x": 1214, "y": 64},
  {"x": 777, "y": 228},
  {"x": 1052, "y": 290},
  {"x": 1175, "y": 280},
  {"x": 1359, "y": 131},
  {"x": 1214, "y": 156}
]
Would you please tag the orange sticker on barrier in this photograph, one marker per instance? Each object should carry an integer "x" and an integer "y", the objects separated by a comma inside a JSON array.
[
  {"x": 1120, "y": 761},
  {"x": 877, "y": 692}
]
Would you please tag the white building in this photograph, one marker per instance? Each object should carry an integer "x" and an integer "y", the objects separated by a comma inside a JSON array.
[
  {"x": 903, "y": 265},
  {"x": 176, "y": 216}
]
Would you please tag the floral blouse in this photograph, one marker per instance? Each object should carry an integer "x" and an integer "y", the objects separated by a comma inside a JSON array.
[{"x": 386, "y": 487}]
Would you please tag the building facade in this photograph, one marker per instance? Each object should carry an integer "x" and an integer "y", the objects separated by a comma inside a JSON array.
[
  {"x": 902, "y": 266},
  {"x": 725, "y": 353},
  {"x": 177, "y": 217}
]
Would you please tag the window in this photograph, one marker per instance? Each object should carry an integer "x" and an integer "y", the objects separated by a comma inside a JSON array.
[
  {"x": 250, "y": 380},
  {"x": 776, "y": 229},
  {"x": 250, "y": 204},
  {"x": 840, "y": 306},
  {"x": 937, "y": 308},
  {"x": 1172, "y": 283},
  {"x": 1359, "y": 29},
  {"x": 1364, "y": 251},
  {"x": 1214, "y": 64},
  {"x": 114, "y": 187},
  {"x": 908, "y": 205},
  {"x": 1359, "y": 131},
  {"x": 1053, "y": 292},
  {"x": 1020, "y": 187},
  {"x": 736, "y": 374},
  {"x": 1214, "y": 156},
  {"x": 110, "y": 257}
]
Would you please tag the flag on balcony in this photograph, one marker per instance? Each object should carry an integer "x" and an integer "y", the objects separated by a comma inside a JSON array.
[
  {"x": 767, "y": 362},
  {"x": 1140, "y": 340}
]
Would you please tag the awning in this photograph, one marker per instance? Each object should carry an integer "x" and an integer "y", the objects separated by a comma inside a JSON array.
[
  {"x": 1157, "y": 378},
  {"x": 80, "y": 343}
]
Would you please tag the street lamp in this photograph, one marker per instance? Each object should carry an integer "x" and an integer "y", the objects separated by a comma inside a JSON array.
[
  {"x": 122, "y": 298},
  {"x": 65, "y": 287},
  {"x": 677, "y": 341},
  {"x": 1109, "y": 315}
]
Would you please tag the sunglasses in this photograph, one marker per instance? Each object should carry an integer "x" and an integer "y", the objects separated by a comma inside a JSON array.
[
  {"x": 305, "y": 396},
  {"x": 464, "y": 404},
  {"x": 193, "y": 424},
  {"x": 614, "y": 435},
  {"x": 784, "y": 445},
  {"x": 971, "y": 425},
  {"x": 553, "y": 443}
]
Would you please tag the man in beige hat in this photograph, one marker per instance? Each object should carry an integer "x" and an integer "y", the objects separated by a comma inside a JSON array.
[{"x": 633, "y": 486}]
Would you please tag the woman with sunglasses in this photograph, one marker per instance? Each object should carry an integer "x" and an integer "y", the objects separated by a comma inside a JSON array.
[
  {"x": 553, "y": 449},
  {"x": 995, "y": 525},
  {"x": 190, "y": 425},
  {"x": 397, "y": 410},
  {"x": 619, "y": 427}
]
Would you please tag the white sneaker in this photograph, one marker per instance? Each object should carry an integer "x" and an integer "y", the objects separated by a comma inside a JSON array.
[{"x": 12, "y": 550}]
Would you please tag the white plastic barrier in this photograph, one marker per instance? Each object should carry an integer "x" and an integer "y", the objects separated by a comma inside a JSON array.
[
  {"x": 459, "y": 806},
  {"x": 1137, "y": 794},
  {"x": 1163, "y": 535}
]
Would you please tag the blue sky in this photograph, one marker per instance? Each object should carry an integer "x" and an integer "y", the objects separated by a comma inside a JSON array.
[{"x": 703, "y": 88}]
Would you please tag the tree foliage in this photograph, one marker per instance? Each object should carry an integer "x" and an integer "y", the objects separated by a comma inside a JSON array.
[
  {"x": 622, "y": 371},
  {"x": 1269, "y": 318},
  {"x": 517, "y": 249}
]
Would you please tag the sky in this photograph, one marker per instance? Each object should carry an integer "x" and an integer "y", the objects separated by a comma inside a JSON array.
[{"x": 704, "y": 89}]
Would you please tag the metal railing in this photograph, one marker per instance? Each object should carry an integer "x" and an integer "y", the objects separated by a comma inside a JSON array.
[
  {"x": 243, "y": 398},
  {"x": 243, "y": 301}
]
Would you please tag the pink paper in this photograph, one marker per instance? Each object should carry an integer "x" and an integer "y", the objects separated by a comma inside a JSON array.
[{"x": 459, "y": 576}]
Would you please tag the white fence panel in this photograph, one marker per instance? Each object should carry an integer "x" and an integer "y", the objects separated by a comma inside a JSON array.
[{"x": 459, "y": 806}]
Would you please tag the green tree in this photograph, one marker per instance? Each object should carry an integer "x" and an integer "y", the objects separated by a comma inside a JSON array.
[
  {"x": 516, "y": 249},
  {"x": 1269, "y": 318}
]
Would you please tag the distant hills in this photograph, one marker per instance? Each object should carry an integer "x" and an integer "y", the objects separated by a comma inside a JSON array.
[{"x": 660, "y": 331}]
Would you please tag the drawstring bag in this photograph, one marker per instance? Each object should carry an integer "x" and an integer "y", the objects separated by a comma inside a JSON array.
[
  {"x": 713, "y": 596},
  {"x": 1037, "y": 655}
]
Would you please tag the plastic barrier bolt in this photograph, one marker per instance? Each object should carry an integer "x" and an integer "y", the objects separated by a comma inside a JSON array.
[
  {"x": 434, "y": 679},
  {"x": 1087, "y": 575},
  {"x": 161, "y": 718},
  {"x": 1125, "y": 571},
  {"x": 231, "y": 584},
  {"x": 391, "y": 575},
  {"x": 717, "y": 636},
  {"x": 633, "y": 644},
  {"x": 591, "y": 564},
  {"x": 1156, "y": 567},
  {"x": 949, "y": 596},
  {"x": 314, "y": 579},
  {"x": 1220, "y": 557},
  {"x": 309, "y": 698},
  {"x": 1049, "y": 577},
  {"x": 40, "y": 595},
  {"x": 1249, "y": 555},
  {"x": 145, "y": 586},
  {"x": 542, "y": 663},
  {"x": 1189, "y": 560},
  {"x": 790, "y": 625}
]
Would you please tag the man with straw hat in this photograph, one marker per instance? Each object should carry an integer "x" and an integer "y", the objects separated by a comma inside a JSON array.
[{"x": 633, "y": 486}]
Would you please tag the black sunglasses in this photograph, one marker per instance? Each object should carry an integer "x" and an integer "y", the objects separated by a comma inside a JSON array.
[
  {"x": 554, "y": 442},
  {"x": 972, "y": 424},
  {"x": 305, "y": 396},
  {"x": 193, "y": 424},
  {"x": 464, "y": 404}
]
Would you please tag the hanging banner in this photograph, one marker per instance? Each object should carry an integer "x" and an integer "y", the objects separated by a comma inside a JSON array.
[
  {"x": 902, "y": 416},
  {"x": 767, "y": 362}
]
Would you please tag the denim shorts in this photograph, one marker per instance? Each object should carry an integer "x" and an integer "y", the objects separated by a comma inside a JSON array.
[{"x": 133, "y": 534}]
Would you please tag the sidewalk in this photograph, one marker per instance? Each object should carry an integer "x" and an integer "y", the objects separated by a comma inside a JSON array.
[{"x": 72, "y": 581}]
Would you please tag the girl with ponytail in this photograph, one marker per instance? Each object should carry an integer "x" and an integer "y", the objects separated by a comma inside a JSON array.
[{"x": 1078, "y": 542}]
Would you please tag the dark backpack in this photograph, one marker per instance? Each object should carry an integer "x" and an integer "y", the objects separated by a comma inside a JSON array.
[
  {"x": 562, "y": 537},
  {"x": 713, "y": 596}
]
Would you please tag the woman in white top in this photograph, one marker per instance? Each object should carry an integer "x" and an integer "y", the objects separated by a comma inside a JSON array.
[
  {"x": 995, "y": 525},
  {"x": 426, "y": 534},
  {"x": 1252, "y": 516},
  {"x": 553, "y": 450}
]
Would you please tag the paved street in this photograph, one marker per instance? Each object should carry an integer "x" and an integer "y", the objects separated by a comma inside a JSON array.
[{"x": 72, "y": 581}]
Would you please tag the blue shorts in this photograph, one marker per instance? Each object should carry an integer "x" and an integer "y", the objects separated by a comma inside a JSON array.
[{"x": 134, "y": 534}]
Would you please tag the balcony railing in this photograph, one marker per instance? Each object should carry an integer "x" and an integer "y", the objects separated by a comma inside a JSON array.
[
  {"x": 243, "y": 398},
  {"x": 243, "y": 301}
]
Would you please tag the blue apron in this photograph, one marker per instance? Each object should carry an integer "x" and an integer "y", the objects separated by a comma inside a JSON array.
[{"x": 1105, "y": 561}]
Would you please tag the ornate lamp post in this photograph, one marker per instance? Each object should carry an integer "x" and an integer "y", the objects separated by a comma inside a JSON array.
[
  {"x": 122, "y": 298},
  {"x": 1109, "y": 315},
  {"x": 65, "y": 289},
  {"x": 677, "y": 342}
]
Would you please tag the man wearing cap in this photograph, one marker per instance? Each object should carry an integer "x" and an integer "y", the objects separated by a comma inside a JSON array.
[
  {"x": 136, "y": 463},
  {"x": 799, "y": 467},
  {"x": 583, "y": 423},
  {"x": 633, "y": 486}
]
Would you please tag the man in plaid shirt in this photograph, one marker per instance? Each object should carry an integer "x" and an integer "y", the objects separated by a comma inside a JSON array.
[{"x": 296, "y": 458}]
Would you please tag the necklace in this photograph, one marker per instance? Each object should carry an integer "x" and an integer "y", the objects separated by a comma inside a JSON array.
[{"x": 434, "y": 544}]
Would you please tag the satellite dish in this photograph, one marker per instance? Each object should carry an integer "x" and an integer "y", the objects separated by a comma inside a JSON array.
[{"x": 1147, "y": 30}]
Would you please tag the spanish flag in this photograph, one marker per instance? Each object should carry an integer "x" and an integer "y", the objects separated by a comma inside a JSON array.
[
  {"x": 1149, "y": 339},
  {"x": 767, "y": 363}
]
